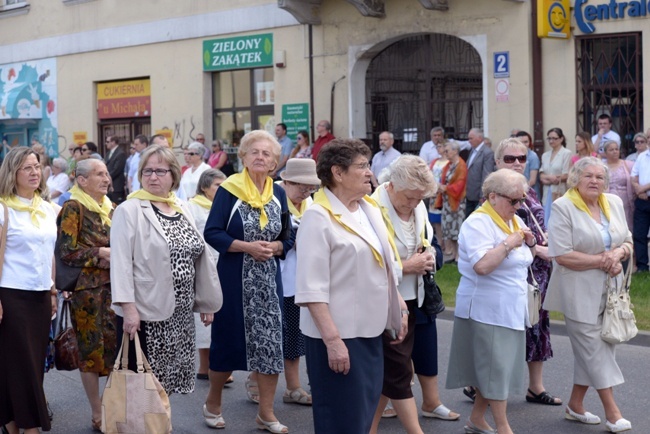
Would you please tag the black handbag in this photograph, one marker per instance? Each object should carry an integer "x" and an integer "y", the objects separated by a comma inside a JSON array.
[
  {"x": 66, "y": 276},
  {"x": 432, "y": 303}
]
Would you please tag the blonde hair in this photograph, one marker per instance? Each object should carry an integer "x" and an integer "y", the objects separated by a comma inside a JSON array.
[
  {"x": 410, "y": 172},
  {"x": 576, "y": 171},
  {"x": 9, "y": 169},
  {"x": 505, "y": 182},
  {"x": 509, "y": 143},
  {"x": 166, "y": 155},
  {"x": 259, "y": 136}
]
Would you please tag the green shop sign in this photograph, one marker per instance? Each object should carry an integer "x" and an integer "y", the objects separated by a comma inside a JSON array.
[
  {"x": 296, "y": 118},
  {"x": 238, "y": 53}
]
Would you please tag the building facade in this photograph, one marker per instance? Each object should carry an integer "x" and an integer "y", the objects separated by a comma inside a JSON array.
[{"x": 71, "y": 69}]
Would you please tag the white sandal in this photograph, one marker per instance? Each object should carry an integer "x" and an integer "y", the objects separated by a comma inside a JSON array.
[
  {"x": 275, "y": 427},
  {"x": 441, "y": 412},
  {"x": 297, "y": 396},
  {"x": 213, "y": 420}
]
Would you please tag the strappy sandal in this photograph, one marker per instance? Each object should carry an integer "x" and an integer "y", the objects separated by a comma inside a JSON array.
[
  {"x": 296, "y": 396},
  {"x": 252, "y": 391},
  {"x": 275, "y": 427},
  {"x": 213, "y": 420},
  {"x": 544, "y": 398}
]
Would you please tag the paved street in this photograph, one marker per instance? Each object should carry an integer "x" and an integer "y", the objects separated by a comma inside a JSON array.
[{"x": 72, "y": 414}]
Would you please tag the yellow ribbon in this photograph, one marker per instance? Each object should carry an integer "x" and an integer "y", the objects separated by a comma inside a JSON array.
[
  {"x": 321, "y": 199},
  {"x": 33, "y": 208},
  {"x": 91, "y": 204},
  {"x": 171, "y": 200},
  {"x": 486, "y": 208},
  {"x": 242, "y": 186},
  {"x": 295, "y": 211},
  {"x": 202, "y": 201},
  {"x": 574, "y": 196}
]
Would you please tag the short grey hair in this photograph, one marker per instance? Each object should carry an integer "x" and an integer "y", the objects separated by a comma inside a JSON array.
[
  {"x": 505, "y": 182},
  {"x": 477, "y": 131},
  {"x": 437, "y": 130},
  {"x": 581, "y": 165},
  {"x": 453, "y": 145},
  {"x": 410, "y": 172},
  {"x": 609, "y": 142},
  {"x": 196, "y": 146},
  {"x": 60, "y": 164},
  {"x": 84, "y": 167},
  {"x": 642, "y": 135},
  {"x": 207, "y": 178},
  {"x": 390, "y": 135}
]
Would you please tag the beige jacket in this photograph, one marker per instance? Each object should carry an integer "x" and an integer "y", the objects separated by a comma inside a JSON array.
[
  {"x": 141, "y": 269},
  {"x": 579, "y": 294}
]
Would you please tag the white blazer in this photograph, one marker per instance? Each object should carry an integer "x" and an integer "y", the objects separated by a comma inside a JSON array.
[{"x": 337, "y": 267}]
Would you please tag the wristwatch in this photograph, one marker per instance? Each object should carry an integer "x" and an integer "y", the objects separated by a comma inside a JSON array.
[
  {"x": 405, "y": 312},
  {"x": 532, "y": 245}
]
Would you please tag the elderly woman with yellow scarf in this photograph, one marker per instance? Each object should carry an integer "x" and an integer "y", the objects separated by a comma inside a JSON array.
[
  {"x": 84, "y": 228},
  {"x": 161, "y": 272},
  {"x": 27, "y": 294},
  {"x": 243, "y": 226},
  {"x": 588, "y": 239},
  {"x": 488, "y": 344}
]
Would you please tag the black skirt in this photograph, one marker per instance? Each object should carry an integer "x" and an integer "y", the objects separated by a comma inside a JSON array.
[{"x": 24, "y": 335}]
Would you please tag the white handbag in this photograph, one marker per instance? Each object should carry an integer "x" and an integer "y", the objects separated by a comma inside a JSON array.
[
  {"x": 534, "y": 300},
  {"x": 619, "y": 323}
]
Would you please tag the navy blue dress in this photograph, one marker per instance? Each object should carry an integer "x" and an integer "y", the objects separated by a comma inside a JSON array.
[{"x": 247, "y": 331}]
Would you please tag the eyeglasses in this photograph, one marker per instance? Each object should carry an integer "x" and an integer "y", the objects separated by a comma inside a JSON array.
[
  {"x": 84, "y": 149},
  {"x": 362, "y": 166},
  {"x": 509, "y": 159},
  {"x": 552, "y": 139},
  {"x": 29, "y": 169},
  {"x": 304, "y": 187},
  {"x": 512, "y": 201},
  {"x": 191, "y": 153},
  {"x": 640, "y": 141},
  {"x": 200, "y": 140},
  {"x": 159, "y": 172}
]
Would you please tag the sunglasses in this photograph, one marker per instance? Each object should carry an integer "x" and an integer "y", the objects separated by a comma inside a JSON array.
[
  {"x": 509, "y": 159},
  {"x": 191, "y": 153},
  {"x": 512, "y": 201}
]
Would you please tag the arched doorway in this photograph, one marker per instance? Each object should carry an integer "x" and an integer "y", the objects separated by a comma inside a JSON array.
[{"x": 421, "y": 82}]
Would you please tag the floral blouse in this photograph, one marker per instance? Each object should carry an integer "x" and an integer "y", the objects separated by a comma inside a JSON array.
[{"x": 80, "y": 244}]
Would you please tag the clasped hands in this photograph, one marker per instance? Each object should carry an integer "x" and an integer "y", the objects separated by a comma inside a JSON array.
[{"x": 610, "y": 261}]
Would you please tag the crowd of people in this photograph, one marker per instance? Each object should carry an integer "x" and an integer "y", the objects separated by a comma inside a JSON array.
[{"x": 317, "y": 250}]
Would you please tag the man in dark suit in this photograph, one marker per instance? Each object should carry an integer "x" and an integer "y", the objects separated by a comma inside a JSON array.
[
  {"x": 115, "y": 161},
  {"x": 480, "y": 164}
]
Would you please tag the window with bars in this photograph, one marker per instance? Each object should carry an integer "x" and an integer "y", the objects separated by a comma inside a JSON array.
[{"x": 609, "y": 81}]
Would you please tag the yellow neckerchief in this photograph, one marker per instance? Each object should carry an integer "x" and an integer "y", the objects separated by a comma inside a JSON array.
[
  {"x": 486, "y": 208},
  {"x": 170, "y": 200},
  {"x": 91, "y": 204},
  {"x": 33, "y": 208},
  {"x": 574, "y": 196},
  {"x": 321, "y": 199},
  {"x": 242, "y": 186},
  {"x": 202, "y": 201},
  {"x": 297, "y": 213}
]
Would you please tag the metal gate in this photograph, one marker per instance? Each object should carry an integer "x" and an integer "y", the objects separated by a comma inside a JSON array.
[
  {"x": 609, "y": 80},
  {"x": 422, "y": 82}
]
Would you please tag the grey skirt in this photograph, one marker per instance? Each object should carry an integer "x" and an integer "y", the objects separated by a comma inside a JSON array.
[{"x": 488, "y": 357}]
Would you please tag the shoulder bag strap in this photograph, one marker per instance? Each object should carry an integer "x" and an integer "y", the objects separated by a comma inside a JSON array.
[
  {"x": 3, "y": 237},
  {"x": 539, "y": 227}
]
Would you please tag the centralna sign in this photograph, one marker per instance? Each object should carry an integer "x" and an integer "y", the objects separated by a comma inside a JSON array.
[{"x": 586, "y": 14}]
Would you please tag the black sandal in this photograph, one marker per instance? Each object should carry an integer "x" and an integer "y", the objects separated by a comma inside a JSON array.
[
  {"x": 543, "y": 398},
  {"x": 470, "y": 392}
]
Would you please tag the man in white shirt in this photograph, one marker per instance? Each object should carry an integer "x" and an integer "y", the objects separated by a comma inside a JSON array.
[
  {"x": 605, "y": 134},
  {"x": 428, "y": 151},
  {"x": 385, "y": 156},
  {"x": 140, "y": 143},
  {"x": 287, "y": 147},
  {"x": 640, "y": 178}
]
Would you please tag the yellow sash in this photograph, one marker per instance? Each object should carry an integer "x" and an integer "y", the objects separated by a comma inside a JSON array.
[
  {"x": 202, "y": 201},
  {"x": 486, "y": 208},
  {"x": 242, "y": 186},
  {"x": 91, "y": 204},
  {"x": 574, "y": 196},
  {"x": 171, "y": 200},
  {"x": 321, "y": 199},
  {"x": 33, "y": 208}
]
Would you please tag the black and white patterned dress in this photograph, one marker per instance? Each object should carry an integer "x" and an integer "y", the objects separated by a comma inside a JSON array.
[{"x": 171, "y": 343}]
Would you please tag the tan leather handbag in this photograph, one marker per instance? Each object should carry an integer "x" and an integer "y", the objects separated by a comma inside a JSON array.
[{"x": 134, "y": 402}]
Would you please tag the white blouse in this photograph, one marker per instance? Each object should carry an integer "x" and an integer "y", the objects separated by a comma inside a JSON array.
[
  {"x": 30, "y": 250},
  {"x": 190, "y": 180}
]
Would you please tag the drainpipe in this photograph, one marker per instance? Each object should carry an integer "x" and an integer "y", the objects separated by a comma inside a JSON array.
[
  {"x": 332, "y": 102},
  {"x": 538, "y": 95},
  {"x": 311, "y": 82}
]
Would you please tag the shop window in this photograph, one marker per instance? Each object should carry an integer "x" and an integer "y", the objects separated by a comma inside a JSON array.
[
  {"x": 609, "y": 80},
  {"x": 13, "y": 7},
  {"x": 243, "y": 100}
]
